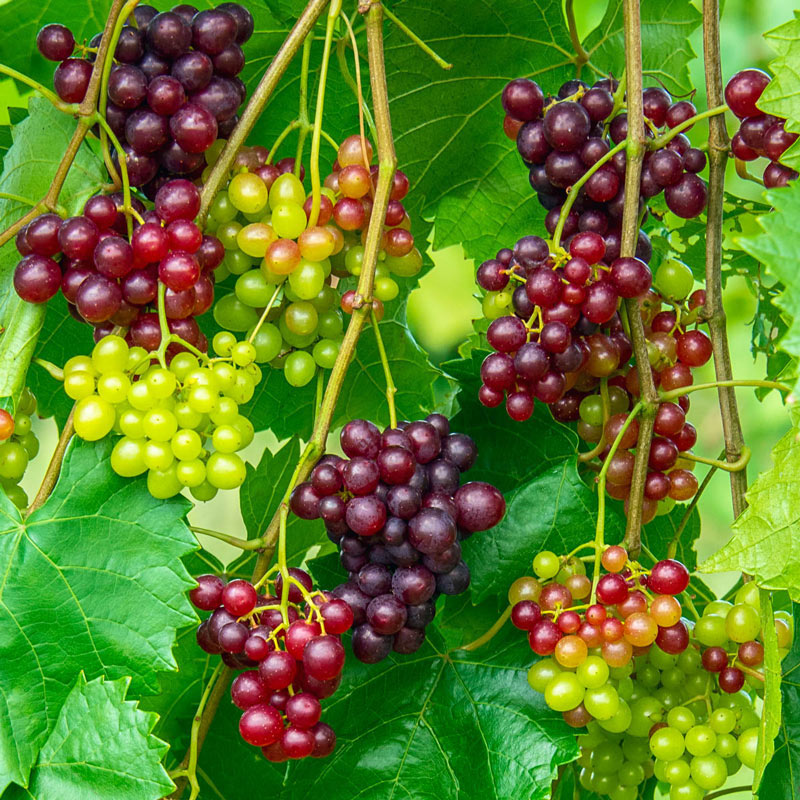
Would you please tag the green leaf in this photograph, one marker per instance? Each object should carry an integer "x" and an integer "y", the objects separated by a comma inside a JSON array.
[
  {"x": 766, "y": 535},
  {"x": 780, "y": 775},
  {"x": 93, "y": 582},
  {"x": 100, "y": 747},
  {"x": 436, "y": 724},
  {"x": 771, "y": 711},
  {"x": 658, "y": 534},
  {"x": 666, "y": 47}
]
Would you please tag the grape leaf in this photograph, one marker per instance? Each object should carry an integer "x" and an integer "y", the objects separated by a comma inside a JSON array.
[
  {"x": 766, "y": 535},
  {"x": 435, "y": 724},
  {"x": 92, "y": 582},
  {"x": 780, "y": 775},
  {"x": 28, "y": 169},
  {"x": 666, "y": 47},
  {"x": 658, "y": 534},
  {"x": 101, "y": 746}
]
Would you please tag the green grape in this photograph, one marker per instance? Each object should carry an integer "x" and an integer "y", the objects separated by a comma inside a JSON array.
[
  {"x": 635, "y": 749},
  {"x": 700, "y": 740},
  {"x": 711, "y": 632},
  {"x": 677, "y": 771},
  {"x": 496, "y": 304},
  {"x": 16, "y": 494},
  {"x": 733, "y": 765},
  {"x": 225, "y": 375},
  {"x": 668, "y": 698},
  {"x": 617, "y": 673},
  {"x": 267, "y": 341},
  {"x": 225, "y": 470},
  {"x": 405, "y": 266},
  {"x": 14, "y": 460},
  {"x": 242, "y": 389},
  {"x": 232, "y": 314},
  {"x": 222, "y": 343},
  {"x": 226, "y": 411},
  {"x": 620, "y": 722},
  {"x": 647, "y": 675},
  {"x": 593, "y": 672},
  {"x": 130, "y": 423},
  {"x": 672, "y": 678},
  {"x": 186, "y": 444},
  {"x": 204, "y": 376},
  {"x": 386, "y": 289},
  {"x": 307, "y": 280},
  {"x": 243, "y": 354},
  {"x": 222, "y": 209},
  {"x": 245, "y": 428},
  {"x": 659, "y": 768},
  {"x": 159, "y": 424},
  {"x": 709, "y": 772},
  {"x": 248, "y": 193},
  {"x": 289, "y": 293},
  {"x": 287, "y": 188},
  {"x": 289, "y": 220},
  {"x": 722, "y": 720},
  {"x": 252, "y": 289},
  {"x": 541, "y": 673},
  {"x": 667, "y": 744},
  {"x": 163, "y": 484},
  {"x": 202, "y": 399},
  {"x": 79, "y": 364},
  {"x": 161, "y": 382},
  {"x": 680, "y": 718},
  {"x": 591, "y": 409},
  {"x": 689, "y": 660},
  {"x": 602, "y": 702},
  {"x": 127, "y": 457},
  {"x": 227, "y": 233},
  {"x": 645, "y": 712},
  {"x": 254, "y": 239},
  {"x": 93, "y": 418},
  {"x": 674, "y": 279},
  {"x": 748, "y": 747},
  {"x": 748, "y": 594},
  {"x": 726, "y": 745},
  {"x": 158, "y": 455},
  {"x": 686, "y": 791},
  {"x": 30, "y": 444},
  {"x": 697, "y": 683},
  {"x": 187, "y": 417},
  {"x": 226, "y": 439},
  {"x": 593, "y": 736},
  {"x": 661, "y": 660},
  {"x": 190, "y": 473},
  {"x": 330, "y": 325},
  {"x": 563, "y": 692},
  {"x": 110, "y": 354},
  {"x": 743, "y": 623},
  {"x": 546, "y": 564},
  {"x": 273, "y": 278},
  {"x": 184, "y": 363},
  {"x": 354, "y": 259},
  {"x": 325, "y": 353},
  {"x": 78, "y": 385},
  {"x": 631, "y": 774},
  {"x": 623, "y": 792},
  {"x": 301, "y": 319},
  {"x": 22, "y": 424},
  {"x": 138, "y": 360},
  {"x": 585, "y": 779},
  {"x": 213, "y": 153},
  {"x": 617, "y": 400},
  {"x": 204, "y": 492},
  {"x": 299, "y": 368},
  {"x": 625, "y": 689},
  {"x": 27, "y": 402},
  {"x": 325, "y": 300},
  {"x": 603, "y": 784},
  {"x": 569, "y": 567},
  {"x": 236, "y": 263}
]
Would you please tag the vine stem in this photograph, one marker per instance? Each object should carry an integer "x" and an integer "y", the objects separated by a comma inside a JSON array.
[
  {"x": 387, "y": 163},
  {"x": 674, "y": 394},
  {"x": 391, "y": 389},
  {"x": 728, "y": 466},
  {"x": 242, "y": 544},
  {"x": 427, "y": 49},
  {"x": 490, "y": 634},
  {"x": 715, "y": 313},
  {"x": 581, "y": 56},
  {"x": 258, "y": 100},
  {"x": 730, "y": 790},
  {"x": 636, "y": 146},
  {"x": 668, "y": 136}
]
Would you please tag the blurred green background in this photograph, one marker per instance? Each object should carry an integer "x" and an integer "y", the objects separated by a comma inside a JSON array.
[{"x": 441, "y": 310}]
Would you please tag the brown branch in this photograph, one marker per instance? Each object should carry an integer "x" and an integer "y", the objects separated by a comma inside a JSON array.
[
  {"x": 630, "y": 235},
  {"x": 714, "y": 312}
]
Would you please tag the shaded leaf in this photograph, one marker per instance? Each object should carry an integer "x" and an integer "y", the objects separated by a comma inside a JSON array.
[
  {"x": 75, "y": 571},
  {"x": 100, "y": 747}
]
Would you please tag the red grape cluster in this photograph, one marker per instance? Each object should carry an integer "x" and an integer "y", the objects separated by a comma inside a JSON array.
[
  {"x": 110, "y": 280},
  {"x": 291, "y": 654},
  {"x": 759, "y": 135},
  {"x": 174, "y": 87},
  {"x": 397, "y": 511},
  {"x": 561, "y": 138}
]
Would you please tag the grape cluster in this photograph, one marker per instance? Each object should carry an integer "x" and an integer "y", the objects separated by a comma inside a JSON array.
[
  {"x": 290, "y": 649},
  {"x": 262, "y": 219},
  {"x": 110, "y": 280},
  {"x": 174, "y": 87},
  {"x": 760, "y": 135},
  {"x": 18, "y": 445},
  {"x": 657, "y": 693},
  {"x": 561, "y": 138},
  {"x": 181, "y": 425},
  {"x": 396, "y": 509}
]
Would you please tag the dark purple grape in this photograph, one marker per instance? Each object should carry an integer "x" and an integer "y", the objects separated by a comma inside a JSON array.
[
  {"x": 169, "y": 35},
  {"x": 530, "y": 251},
  {"x": 454, "y": 582},
  {"x": 130, "y": 47},
  {"x": 687, "y": 198},
  {"x": 695, "y": 160},
  {"x": 630, "y": 277},
  {"x": 146, "y": 131},
  {"x": 408, "y": 640},
  {"x": 531, "y": 142},
  {"x": 666, "y": 167},
  {"x": 360, "y": 438},
  {"x": 414, "y": 584},
  {"x": 127, "y": 86},
  {"x": 656, "y": 102},
  {"x": 420, "y": 615},
  {"x": 425, "y": 441},
  {"x": 193, "y": 127},
  {"x": 176, "y": 161},
  {"x": 365, "y": 515},
  {"x": 564, "y": 168},
  {"x": 480, "y": 506},
  {"x": 566, "y": 126},
  {"x": 386, "y": 614},
  {"x": 153, "y": 65},
  {"x": 142, "y": 168},
  {"x": 522, "y": 99},
  {"x": 98, "y": 298},
  {"x": 443, "y": 476},
  {"x": 369, "y": 646},
  {"x": 221, "y": 97},
  {"x": 244, "y": 20},
  {"x": 355, "y": 598},
  {"x": 593, "y": 150},
  {"x": 403, "y": 501},
  {"x": 431, "y": 531},
  {"x": 71, "y": 79},
  {"x": 531, "y": 362},
  {"x": 55, "y": 42},
  {"x": 37, "y": 278},
  {"x": 230, "y": 62},
  {"x": 598, "y": 104},
  {"x": 459, "y": 449}
]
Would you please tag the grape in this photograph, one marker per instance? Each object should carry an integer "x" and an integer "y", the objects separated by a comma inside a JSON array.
[{"x": 71, "y": 79}]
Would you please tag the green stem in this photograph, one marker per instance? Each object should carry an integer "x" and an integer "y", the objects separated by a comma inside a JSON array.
[
  {"x": 51, "y": 369},
  {"x": 18, "y": 198},
  {"x": 235, "y": 541},
  {"x": 302, "y": 116},
  {"x": 163, "y": 325},
  {"x": 668, "y": 136},
  {"x": 490, "y": 634},
  {"x": 48, "y": 94},
  {"x": 355, "y": 85},
  {"x": 674, "y": 394},
  {"x": 581, "y": 56},
  {"x": 391, "y": 389},
  {"x": 265, "y": 313},
  {"x": 292, "y": 126},
  {"x": 432, "y": 54},
  {"x": 728, "y": 466},
  {"x": 128, "y": 209},
  {"x": 316, "y": 183}
]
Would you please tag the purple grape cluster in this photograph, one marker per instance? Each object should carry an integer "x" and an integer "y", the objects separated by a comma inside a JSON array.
[
  {"x": 560, "y": 138},
  {"x": 174, "y": 87},
  {"x": 398, "y": 512}
]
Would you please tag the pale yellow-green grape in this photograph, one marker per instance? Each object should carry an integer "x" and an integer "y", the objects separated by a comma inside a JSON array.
[
  {"x": 225, "y": 470},
  {"x": 158, "y": 455},
  {"x": 325, "y": 353},
  {"x": 354, "y": 259},
  {"x": 226, "y": 411},
  {"x": 495, "y": 304},
  {"x": 405, "y": 266},
  {"x": 233, "y": 315},
  {"x": 289, "y": 220},
  {"x": 225, "y": 375},
  {"x": 93, "y": 418},
  {"x": 140, "y": 396},
  {"x": 222, "y": 343},
  {"x": 129, "y": 421},
  {"x": 161, "y": 382},
  {"x": 386, "y": 289},
  {"x": 228, "y": 233},
  {"x": 186, "y": 444},
  {"x": 301, "y": 318},
  {"x": 267, "y": 342},
  {"x": 307, "y": 280},
  {"x": 110, "y": 354},
  {"x": 163, "y": 484},
  {"x": 299, "y": 368},
  {"x": 252, "y": 289},
  {"x": 286, "y": 188},
  {"x": 127, "y": 457},
  {"x": 243, "y": 354},
  {"x": 113, "y": 387},
  {"x": 255, "y": 238},
  {"x": 204, "y": 492},
  {"x": 248, "y": 193},
  {"x": 190, "y": 473},
  {"x": 80, "y": 384},
  {"x": 160, "y": 424},
  {"x": 226, "y": 439},
  {"x": 245, "y": 428}
]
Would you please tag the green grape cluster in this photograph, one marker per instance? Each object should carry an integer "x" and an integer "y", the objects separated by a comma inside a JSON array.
[
  {"x": 18, "y": 446},
  {"x": 289, "y": 271},
  {"x": 179, "y": 424}
]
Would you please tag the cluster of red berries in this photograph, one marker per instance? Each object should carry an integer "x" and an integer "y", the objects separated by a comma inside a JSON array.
[
  {"x": 760, "y": 135},
  {"x": 173, "y": 89},
  {"x": 109, "y": 279},
  {"x": 290, "y": 650}
]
